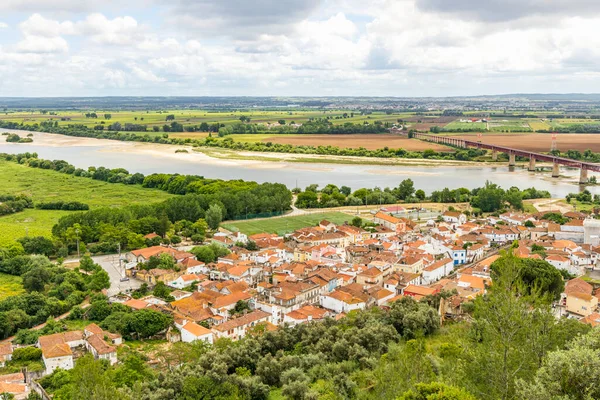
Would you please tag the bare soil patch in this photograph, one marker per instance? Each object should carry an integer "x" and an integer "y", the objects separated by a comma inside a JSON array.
[
  {"x": 541, "y": 142},
  {"x": 368, "y": 141}
]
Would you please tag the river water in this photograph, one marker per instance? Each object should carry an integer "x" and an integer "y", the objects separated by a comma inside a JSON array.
[{"x": 151, "y": 158}]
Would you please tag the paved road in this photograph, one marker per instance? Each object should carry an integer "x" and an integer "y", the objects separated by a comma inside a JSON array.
[{"x": 110, "y": 263}]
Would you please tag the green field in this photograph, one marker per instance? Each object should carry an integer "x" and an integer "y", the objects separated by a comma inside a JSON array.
[
  {"x": 285, "y": 225},
  {"x": 45, "y": 185},
  {"x": 10, "y": 285},
  {"x": 466, "y": 125},
  {"x": 195, "y": 117}
]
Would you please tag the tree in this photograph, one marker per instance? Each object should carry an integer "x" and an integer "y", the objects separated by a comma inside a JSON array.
[
  {"x": 413, "y": 319},
  {"x": 357, "y": 221},
  {"x": 573, "y": 373},
  {"x": 436, "y": 391},
  {"x": 87, "y": 264},
  {"x": 534, "y": 276},
  {"x": 214, "y": 216},
  {"x": 514, "y": 331},
  {"x": 529, "y": 224},
  {"x": 37, "y": 245},
  {"x": 420, "y": 194},
  {"x": 161, "y": 290},
  {"x": 295, "y": 384},
  {"x": 36, "y": 279},
  {"x": 405, "y": 190},
  {"x": 99, "y": 280},
  {"x": 89, "y": 381},
  {"x": 170, "y": 117},
  {"x": 147, "y": 323},
  {"x": 240, "y": 307},
  {"x": 107, "y": 116},
  {"x": 488, "y": 198}
]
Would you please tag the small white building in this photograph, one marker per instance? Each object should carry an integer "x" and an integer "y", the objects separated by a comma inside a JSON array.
[
  {"x": 341, "y": 302},
  {"x": 6, "y": 350},
  {"x": 437, "y": 270},
  {"x": 184, "y": 281},
  {"x": 191, "y": 332},
  {"x": 564, "y": 263}
]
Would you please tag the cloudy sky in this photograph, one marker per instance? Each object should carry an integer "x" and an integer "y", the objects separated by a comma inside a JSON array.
[{"x": 298, "y": 47}]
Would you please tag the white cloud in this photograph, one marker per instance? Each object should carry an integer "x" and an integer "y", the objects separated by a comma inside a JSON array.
[
  {"x": 385, "y": 47},
  {"x": 41, "y": 44},
  {"x": 119, "y": 31},
  {"x": 3, "y": 25},
  {"x": 37, "y": 25}
]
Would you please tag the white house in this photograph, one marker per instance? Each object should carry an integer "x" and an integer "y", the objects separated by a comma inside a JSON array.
[
  {"x": 437, "y": 270},
  {"x": 238, "y": 327},
  {"x": 341, "y": 302},
  {"x": 454, "y": 218},
  {"x": 459, "y": 255},
  {"x": 191, "y": 332},
  {"x": 57, "y": 356},
  {"x": 184, "y": 281},
  {"x": 6, "y": 350},
  {"x": 561, "y": 262},
  {"x": 101, "y": 350}
]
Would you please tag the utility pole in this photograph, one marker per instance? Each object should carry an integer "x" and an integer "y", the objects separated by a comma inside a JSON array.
[
  {"x": 77, "y": 236},
  {"x": 119, "y": 247}
]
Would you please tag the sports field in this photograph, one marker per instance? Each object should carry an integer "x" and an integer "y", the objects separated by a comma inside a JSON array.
[{"x": 283, "y": 225}]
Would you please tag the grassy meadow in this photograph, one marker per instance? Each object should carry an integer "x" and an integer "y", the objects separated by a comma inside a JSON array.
[
  {"x": 45, "y": 185},
  {"x": 285, "y": 225},
  {"x": 10, "y": 285}
]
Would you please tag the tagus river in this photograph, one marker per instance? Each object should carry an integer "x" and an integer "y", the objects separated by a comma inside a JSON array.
[{"x": 150, "y": 158}]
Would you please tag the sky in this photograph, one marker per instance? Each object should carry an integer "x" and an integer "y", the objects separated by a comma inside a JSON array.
[{"x": 403, "y": 48}]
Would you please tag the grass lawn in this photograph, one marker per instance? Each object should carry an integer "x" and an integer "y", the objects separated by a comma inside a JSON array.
[
  {"x": 10, "y": 286},
  {"x": 283, "y": 225},
  {"x": 45, "y": 185}
]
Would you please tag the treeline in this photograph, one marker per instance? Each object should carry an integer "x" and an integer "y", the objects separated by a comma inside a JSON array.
[
  {"x": 63, "y": 205},
  {"x": 229, "y": 143},
  {"x": 587, "y": 155},
  {"x": 385, "y": 152},
  {"x": 573, "y": 128},
  {"x": 10, "y": 204},
  {"x": 171, "y": 183},
  {"x": 104, "y": 228},
  {"x": 51, "y": 290},
  {"x": 489, "y": 198},
  {"x": 318, "y": 126}
]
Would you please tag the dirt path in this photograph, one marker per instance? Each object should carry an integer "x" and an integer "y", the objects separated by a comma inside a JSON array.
[{"x": 548, "y": 205}]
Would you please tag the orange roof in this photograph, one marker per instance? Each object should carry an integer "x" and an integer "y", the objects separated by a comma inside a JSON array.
[
  {"x": 56, "y": 350},
  {"x": 387, "y": 218},
  {"x": 230, "y": 299},
  {"x": 13, "y": 388},
  {"x": 5, "y": 349},
  {"x": 136, "y": 304},
  {"x": 419, "y": 290},
  {"x": 100, "y": 345},
  {"x": 196, "y": 330},
  {"x": 474, "y": 281}
]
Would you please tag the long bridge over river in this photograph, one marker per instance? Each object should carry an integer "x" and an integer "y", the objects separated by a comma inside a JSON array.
[{"x": 583, "y": 166}]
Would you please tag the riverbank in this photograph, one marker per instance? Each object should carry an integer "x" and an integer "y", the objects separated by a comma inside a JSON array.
[{"x": 293, "y": 170}]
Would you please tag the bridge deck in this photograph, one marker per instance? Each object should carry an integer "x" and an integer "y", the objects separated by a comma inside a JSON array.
[{"x": 522, "y": 153}]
